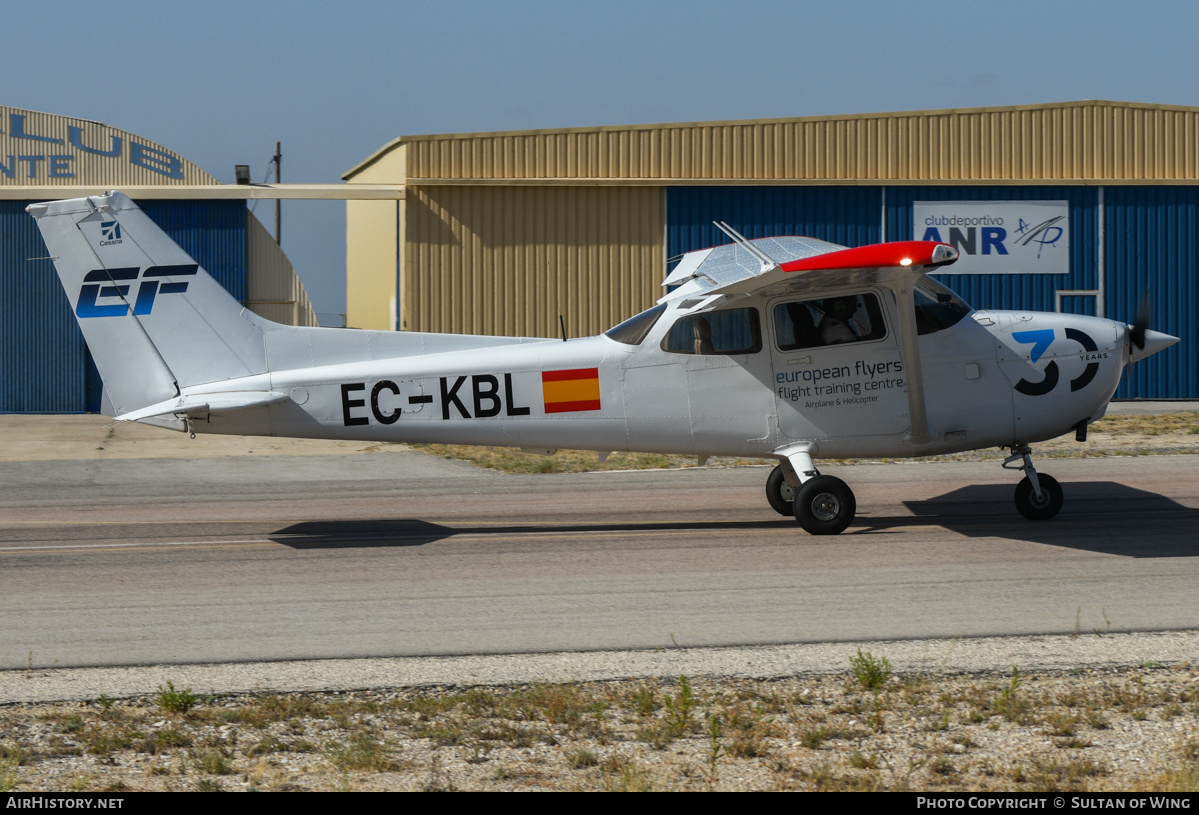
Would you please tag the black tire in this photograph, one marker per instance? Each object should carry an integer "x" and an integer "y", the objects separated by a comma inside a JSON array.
[
  {"x": 1051, "y": 498},
  {"x": 780, "y": 494},
  {"x": 825, "y": 505}
]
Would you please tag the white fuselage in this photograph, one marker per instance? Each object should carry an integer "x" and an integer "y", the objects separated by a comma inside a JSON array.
[{"x": 993, "y": 378}]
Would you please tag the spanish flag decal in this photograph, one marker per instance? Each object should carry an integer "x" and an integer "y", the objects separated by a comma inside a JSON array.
[{"x": 567, "y": 391}]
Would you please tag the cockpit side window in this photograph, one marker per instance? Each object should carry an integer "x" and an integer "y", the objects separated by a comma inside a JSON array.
[
  {"x": 634, "y": 330},
  {"x": 727, "y": 332},
  {"x": 828, "y": 321}
]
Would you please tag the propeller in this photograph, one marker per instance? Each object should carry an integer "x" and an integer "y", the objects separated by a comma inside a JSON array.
[
  {"x": 1136, "y": 332},
  {"x": 1142, "y": 340}
]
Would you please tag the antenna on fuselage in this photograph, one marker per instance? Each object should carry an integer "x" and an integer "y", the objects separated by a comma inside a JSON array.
[{"x": 562, "y": 325}]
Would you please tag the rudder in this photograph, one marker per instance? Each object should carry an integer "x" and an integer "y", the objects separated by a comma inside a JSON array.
[{"x": 153, "y": 319}]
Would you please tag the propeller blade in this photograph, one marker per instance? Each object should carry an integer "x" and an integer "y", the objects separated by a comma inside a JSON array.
[{"x": 1136, "y": 333}]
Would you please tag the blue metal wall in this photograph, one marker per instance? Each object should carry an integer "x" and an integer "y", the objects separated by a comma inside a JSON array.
[
  {"x": 44, "y": 365},
  {"x": 850, "y": 216},
  {"x": 1151, "y": 240},
  {"x": 41, "y": 349}
]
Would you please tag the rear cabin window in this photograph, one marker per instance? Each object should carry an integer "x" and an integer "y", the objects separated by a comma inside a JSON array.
[
  {"x": 829, "y": 321},
  {"x": 732, "y": 331}
]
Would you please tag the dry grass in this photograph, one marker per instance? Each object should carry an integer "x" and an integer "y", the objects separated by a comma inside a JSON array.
[
  {"x": 512, "y": 460},
  {"x": 1165, "y": 433}
]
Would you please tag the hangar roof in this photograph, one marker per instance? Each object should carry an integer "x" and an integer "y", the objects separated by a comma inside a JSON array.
[
  {"x": 47, "y": 150},
  {"x": 1067, "y": 142},
  {"x": 196, "y": 192},
  {"x": 44, "y": 155}
]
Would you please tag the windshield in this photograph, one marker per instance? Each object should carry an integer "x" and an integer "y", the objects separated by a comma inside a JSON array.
[
  {"x": 937, "y": 308},
  {"x": 633, "y": 330}
]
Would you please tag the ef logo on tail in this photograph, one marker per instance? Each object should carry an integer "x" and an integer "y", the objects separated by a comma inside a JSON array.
[
  {"x": 1040, "y": 341},
  {"x": 105, "y": 292}
]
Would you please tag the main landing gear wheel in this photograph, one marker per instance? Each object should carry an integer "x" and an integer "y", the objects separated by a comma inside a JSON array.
[
  {"x": 780, "y": 494},
  {"x": 824, "y": 505},
  {"x": 1048, "y": 505}
]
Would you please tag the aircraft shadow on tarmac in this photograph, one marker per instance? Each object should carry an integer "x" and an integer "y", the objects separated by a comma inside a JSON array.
[
  {"x": 412, "y": 532},
  {"x": 1098, "y": 516},
  {"x": 360, "y": 534}
]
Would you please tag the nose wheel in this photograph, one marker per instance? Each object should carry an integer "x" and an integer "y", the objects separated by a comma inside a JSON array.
[
  {"x": 1038, "y": 497},
  {"x": 1039, "y": 508}
]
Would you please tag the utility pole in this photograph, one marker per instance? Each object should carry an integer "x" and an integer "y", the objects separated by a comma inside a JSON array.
[{"x": 278, "y": 202}]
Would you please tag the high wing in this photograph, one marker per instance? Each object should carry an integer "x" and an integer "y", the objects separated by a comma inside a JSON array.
[
  {"x": 805, "y": 266},
  {"x": 796, "y": 265}
]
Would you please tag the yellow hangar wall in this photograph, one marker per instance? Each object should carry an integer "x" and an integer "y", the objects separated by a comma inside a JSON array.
[
  {"x": 500, "y": 231},
  {"x": 373, "y": 235},
  {"x": 499, "y": 259},
  {"x": 505, "y": 260}
]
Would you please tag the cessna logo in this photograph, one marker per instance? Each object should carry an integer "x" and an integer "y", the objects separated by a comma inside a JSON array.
[
  {"x": 106, "y": 292},
  {"x": 1040, "y": 341},
  {"x": 110, "y": 233}
]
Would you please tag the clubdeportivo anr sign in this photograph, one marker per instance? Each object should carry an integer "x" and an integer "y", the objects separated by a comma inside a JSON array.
[{"x": 998, "y": 237}]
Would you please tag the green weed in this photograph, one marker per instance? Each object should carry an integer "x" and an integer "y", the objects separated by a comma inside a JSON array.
[
  {"x": 870, "y": 672},
  {"x": 175, "y": 701},
  {"x": 362, "y": 752},
  {"x": 714, "y": 752},
  {"x": 680, "y": 710},
  {"x": 1011, "y": 705},
  {"x": 10, "y": 778},
  {"x": 213, "y": 762},
  {"x": 578, "y": 759}
]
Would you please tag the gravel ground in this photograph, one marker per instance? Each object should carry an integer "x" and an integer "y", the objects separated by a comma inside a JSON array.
[
  {"x": 1085, "y": 729},
  {"x": 1095, "y": 711}
]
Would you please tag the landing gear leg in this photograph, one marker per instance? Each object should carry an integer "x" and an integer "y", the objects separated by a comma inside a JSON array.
[{"x": 1038, "y": 497}]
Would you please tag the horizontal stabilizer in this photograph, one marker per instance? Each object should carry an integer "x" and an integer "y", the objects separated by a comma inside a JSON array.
[{"x": 200, "y": 404}]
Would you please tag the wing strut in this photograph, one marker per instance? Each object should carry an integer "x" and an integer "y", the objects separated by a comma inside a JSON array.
[
  {"x": 909, "y": 352},
  {"x": 766, "y": 260}
]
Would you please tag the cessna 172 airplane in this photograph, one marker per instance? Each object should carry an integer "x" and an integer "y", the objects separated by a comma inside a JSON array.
[{"x": 788, "y": 348}]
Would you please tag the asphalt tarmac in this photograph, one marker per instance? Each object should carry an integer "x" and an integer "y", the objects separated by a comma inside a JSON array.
[{"x": 245, "y": 559}]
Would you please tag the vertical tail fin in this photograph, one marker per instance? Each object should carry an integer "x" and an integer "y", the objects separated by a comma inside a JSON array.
[{"x": 154, "y": 320}]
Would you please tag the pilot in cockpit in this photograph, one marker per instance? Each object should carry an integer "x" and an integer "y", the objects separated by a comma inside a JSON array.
[{"x": 835, "y": 326}]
